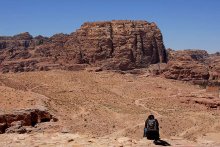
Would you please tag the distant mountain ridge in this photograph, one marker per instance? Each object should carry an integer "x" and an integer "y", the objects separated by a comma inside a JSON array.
[
  {"x": 109, "y": 45},
  {"x": 119, "y": 45}
]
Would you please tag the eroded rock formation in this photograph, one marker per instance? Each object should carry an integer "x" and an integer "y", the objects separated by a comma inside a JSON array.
[
  {"x": 109, "y": 45},
  {"x": 193, "y": 65},
  {"x": 119, "y": 45},
  {"x": 14, "y": 122}
]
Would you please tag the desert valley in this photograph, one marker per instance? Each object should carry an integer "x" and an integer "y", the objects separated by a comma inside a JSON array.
[{"x": 97, "y": 86}]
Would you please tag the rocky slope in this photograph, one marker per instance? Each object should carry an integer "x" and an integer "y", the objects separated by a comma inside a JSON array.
[
  {"x": 119, "y": 45},
  {"x": 193, "y": 65},
  {"x": 104, "y": 109}
]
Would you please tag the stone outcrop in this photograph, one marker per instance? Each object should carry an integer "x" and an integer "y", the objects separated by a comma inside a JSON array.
[
  {"x": 109, "y": 45},
  {"x": 187, "y": 55},
  {"x": 211, "y": 102},
  {"x": 15, "y": 122},
  {"x": 16, "y": 127},
  {"x": 118, "y": 45},
  {"x": 196, "y": 66},
  {"x": 214, "y": 68}
]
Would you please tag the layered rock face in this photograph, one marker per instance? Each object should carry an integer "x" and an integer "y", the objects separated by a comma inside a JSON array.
[
  {"x": 13, "y": 123},
  {"x": 119, "y": 45},
  {"x": 110, "y": 45},
  {"x": 193, "y": 65},
  {"x": 24, "y": 53},
  {"x": 214, "y": 67}
]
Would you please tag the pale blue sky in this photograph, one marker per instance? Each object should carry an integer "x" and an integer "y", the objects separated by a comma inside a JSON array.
[{"x": 185, "y": 24}]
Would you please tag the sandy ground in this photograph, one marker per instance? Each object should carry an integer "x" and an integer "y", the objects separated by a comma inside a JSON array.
[{"x": 108, "y": 109}]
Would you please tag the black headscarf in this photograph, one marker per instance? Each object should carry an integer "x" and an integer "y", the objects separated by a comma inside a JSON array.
[{"x": 151, "y": 117}]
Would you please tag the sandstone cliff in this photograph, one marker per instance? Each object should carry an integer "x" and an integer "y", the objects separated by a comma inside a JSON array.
[
  {"x": 109, "y": 45},
  {"x": 193, "y": 65},
  {"x": 118, "y": 45}
]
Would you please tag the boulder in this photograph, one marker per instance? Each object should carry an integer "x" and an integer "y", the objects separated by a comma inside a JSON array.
[
  {"x": 16, "y": 127},
  {"x": 15, "y": 122}
]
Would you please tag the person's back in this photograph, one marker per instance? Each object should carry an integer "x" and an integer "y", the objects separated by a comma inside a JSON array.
[{"x": 151, "y": 130}]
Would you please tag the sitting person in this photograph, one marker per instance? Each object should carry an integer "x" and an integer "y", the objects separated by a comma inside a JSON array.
[{"x": 151, "y": 130}]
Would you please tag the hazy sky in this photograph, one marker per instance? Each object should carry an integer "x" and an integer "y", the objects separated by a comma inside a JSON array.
[{"x": 185, "y": 24}]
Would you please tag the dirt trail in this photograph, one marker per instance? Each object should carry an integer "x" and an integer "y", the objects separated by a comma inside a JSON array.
[
  {"x": 107, "y": 108},
  {"x": 41, "y": 99},
  {"x": 81, "y": 112},
  {"x": 138, "y": 103}
]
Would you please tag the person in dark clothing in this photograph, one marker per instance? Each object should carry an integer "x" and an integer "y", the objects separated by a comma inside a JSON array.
[{"x": 151, "y": 129}]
